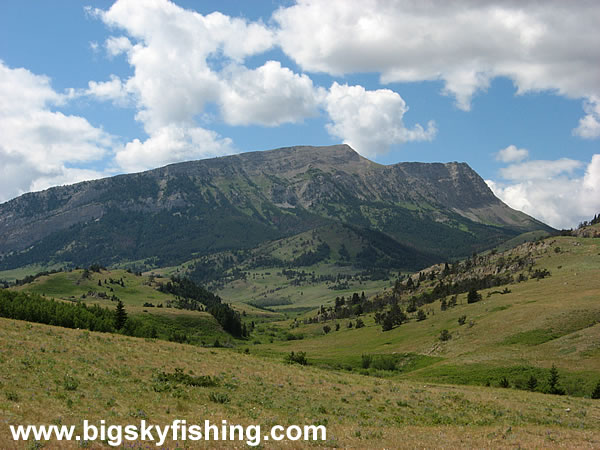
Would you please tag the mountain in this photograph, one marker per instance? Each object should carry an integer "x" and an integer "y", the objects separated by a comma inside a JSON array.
[{"x": 185, "y": 210}]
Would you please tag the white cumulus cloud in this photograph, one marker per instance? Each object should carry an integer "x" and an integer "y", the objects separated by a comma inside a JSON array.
[
  {"x": 512, "y": 154},
  {"x": 589, "y": 125},
  {"x": 269, "y": 95},
  {"x": 552, "y": 191},
  {"x": 371, "y": 121},
  {"x": 172, "y": 144},
  {"x": 552, "y": 45},
  {"x": 40, "y": 146}
]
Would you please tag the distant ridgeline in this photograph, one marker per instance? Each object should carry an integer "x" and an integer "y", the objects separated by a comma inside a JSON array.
[{"x": 421, "y": 211}]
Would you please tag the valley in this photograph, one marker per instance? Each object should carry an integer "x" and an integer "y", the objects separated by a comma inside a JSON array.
[{"x": 340, "y": 323}]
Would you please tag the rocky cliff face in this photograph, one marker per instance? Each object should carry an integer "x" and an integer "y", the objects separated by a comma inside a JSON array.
[{"x": 242, "y": 200}]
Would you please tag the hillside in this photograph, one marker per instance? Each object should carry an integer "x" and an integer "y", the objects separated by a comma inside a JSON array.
[
  {"x": 58, "y": 376},
  {"x": 541, "y": 309},
  {"x": 155, "y": 312},
  {"x": 488, "y": 384},
  {"x": 170, "y": 215}
]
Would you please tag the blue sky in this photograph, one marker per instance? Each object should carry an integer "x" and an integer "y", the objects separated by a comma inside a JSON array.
[{"x": 513, "y": 89}]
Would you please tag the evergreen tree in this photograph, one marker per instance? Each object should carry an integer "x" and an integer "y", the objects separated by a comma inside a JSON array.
[
  {"x": 553, "y": 387},
  {"x": 421, "y": 315},
  {"x": 387, "y": 323},
  {"x": 473, "y": 296},
  {"x": 596, "y": 392},
  {"x": 532, "y": 383},
  {"x": 120, "y": 316}
]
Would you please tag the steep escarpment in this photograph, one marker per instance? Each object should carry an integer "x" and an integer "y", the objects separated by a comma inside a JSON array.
[{"x": 240, "y": 201}]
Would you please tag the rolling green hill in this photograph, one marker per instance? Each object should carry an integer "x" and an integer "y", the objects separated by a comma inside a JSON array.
[
  {"x": 518, "y": 328},
  {"x": 151, "y": 308},
  {"x": 538, "y": 308},
  {"x": 60, "y": 376}
]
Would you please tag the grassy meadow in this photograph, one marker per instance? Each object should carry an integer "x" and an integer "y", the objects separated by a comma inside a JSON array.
[
  {"x": 60, "y": 376},
  {"x": 470, "y": 390},
  {"x": 540, "y": 323}
]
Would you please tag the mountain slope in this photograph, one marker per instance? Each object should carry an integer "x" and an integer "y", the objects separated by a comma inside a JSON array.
[{"x": 241, "y": 201}]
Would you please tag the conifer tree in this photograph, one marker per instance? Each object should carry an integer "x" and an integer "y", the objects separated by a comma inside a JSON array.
[
  {"x": 596, "y": 391},
  {"x": 120, "y": 316}
]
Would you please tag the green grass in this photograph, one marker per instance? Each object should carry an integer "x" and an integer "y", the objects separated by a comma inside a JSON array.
[
  {"x": 539, "y": 323},
  {"x": 199, "y": 327},
  {"x": 531, "y": 337},
  {"x": 61, "y": 376},
  {"x": 419, "y": 391}
]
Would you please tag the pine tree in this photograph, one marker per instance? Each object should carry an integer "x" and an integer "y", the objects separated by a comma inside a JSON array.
[
  {"x": 553, "y": 382},
  {"x": 120, "y": 316},
  {"x": 596, "y": 392},
  {"x": 473, "y": 296},
  {"x": 532, "y": 383}
]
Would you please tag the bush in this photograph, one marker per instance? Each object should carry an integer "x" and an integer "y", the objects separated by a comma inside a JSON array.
[
  {"x": 326, "y": 329},
  {"x": 421, "y": 315},
  {"x": 12, "y": 396},
  {"x": 473, "y": 296},
  {"x": 359, "y": 323},
  {"x": 504, "y": 382},
  {"x": 596, "y": 392},
  {"x": 180, "y": 377},
  {"x": 462, "y": 320},
  {"x": 218, "y": 397},
  {"x": 296, "y": 358},
  {"x": 365, "y": 361},
  {"x": 384, "y": 362},
  {"x": 70, "y": 383},
  {"x": 445, "y": 335}
]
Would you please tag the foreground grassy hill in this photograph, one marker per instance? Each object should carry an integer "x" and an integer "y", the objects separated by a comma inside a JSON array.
[{"x": 60, "y": 376}]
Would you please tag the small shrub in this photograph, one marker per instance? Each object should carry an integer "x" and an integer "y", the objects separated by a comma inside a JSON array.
[
  {"x": 296, "y": 358},
  {"x": 384, "y": 362},
  {"x": 445, "y": 335},
  {"x": 365, "y": 361},
  {"x": 218, "y": 397},
  {"x": 12, "y": 396},
  {"x": 421, "y": 315},
  {"x": 180, "y": 377},
  {"x": 326, "y": 329},
  {"x": 70, "y": 383},
  {"x": 359, "y": 323},
  {"x": 462, "y": 320},
  {"x": 504, "y": 383},
  {"x": 473, "y": 296}
]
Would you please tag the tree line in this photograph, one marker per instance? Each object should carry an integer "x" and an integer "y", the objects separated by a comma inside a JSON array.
[{"x": 189, "y": 295}]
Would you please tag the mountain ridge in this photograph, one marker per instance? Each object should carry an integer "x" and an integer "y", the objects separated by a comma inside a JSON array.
[{"x": 242, "y": 200}]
